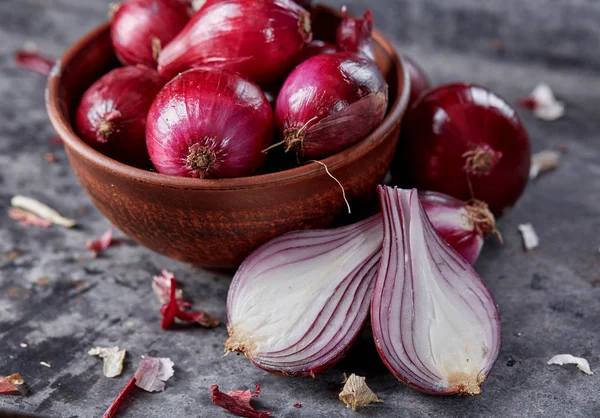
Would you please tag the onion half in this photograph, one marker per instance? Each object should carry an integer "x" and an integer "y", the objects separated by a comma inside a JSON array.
[
  {"x": 435, "y": 324},
  {"x": 298, "y": 302}
]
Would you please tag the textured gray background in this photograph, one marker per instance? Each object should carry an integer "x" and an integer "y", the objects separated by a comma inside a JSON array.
[{"x": 549, "y": 298}]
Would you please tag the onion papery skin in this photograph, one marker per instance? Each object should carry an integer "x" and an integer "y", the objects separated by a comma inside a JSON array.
[
  {"x": 261, "y": 39},
  {"x": 330, "y": 102},
  {"x": 111, "y": 116},
  {"x": 354, "y": 35},
  {"x": 209, "y": 123},
  {"x": 463, "y": 225},
  {"x": 297, "y": 303},
  {"x": 465, "y": 141},
  {"x": 140, "y": 28},
  {"x": 316, "y": 47},
  {"x": 419, "y": 81},
  {"x": 435, "y": 324}
]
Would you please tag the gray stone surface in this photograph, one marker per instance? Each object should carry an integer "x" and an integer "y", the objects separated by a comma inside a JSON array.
[{"x": 549, "y": 298}]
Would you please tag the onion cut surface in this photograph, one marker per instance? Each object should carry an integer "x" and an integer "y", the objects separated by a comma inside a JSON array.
[
  {"x": 435, "y": 324},
  {"x": 298, "y": 302}
]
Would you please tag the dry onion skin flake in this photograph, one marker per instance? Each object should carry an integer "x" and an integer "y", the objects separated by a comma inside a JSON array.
[
  {"x": 37, "y": 208},
  {"x": 562, "y": 359},
  {"x": 356, "y": 392},
  {"x": 113, "y": 359}
]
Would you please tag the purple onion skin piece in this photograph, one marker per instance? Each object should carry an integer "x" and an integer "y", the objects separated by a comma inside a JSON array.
[
  {"x": 298, "y": 302},
  {"x": 435, "y": 324},
  {"x": 316, "y": 124}
]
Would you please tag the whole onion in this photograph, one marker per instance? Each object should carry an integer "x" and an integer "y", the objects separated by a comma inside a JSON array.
[
  {"x": 111, "y": 116},
  {"x": 465, "y": 141},
  {"x": 209, "y": 123},
  {"x": 140, "y": 28},
  {"x": 329, "y": 102},
  {"x": 261, "y": 39}
]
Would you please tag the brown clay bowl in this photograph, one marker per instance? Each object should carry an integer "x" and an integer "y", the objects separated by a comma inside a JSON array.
[{"x": 217, "y": 223}]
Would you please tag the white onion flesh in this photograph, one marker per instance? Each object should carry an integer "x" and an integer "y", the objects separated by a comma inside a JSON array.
[
  {"x": 298, "y": 302},
  {"x": 435, "y": 323}
]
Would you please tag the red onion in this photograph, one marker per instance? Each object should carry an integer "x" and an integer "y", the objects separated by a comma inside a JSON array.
[
  {"x": 209, "y": 123},
  {"x": 111, "y": 116},
  {"x": 140, "y": 28},
  {"x": 435, "y": 324},
  {"x": 354, "y": 35},
  {"x": 317, "y": 47},
  {"x": 261, "y": 39},
  {"x": 298, "y": 302},
  {"x": 419, "y": 82},
  {"x": 462, "y": 225},
  {"x": 465, "y": 141},
  {"x": 329, "y": 102}
]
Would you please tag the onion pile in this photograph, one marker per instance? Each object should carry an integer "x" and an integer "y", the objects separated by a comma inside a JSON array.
[{"x": 335, "y": 97}]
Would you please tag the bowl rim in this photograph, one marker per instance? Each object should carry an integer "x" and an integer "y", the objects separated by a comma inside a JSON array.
[{"x": 65, "y": 130}]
